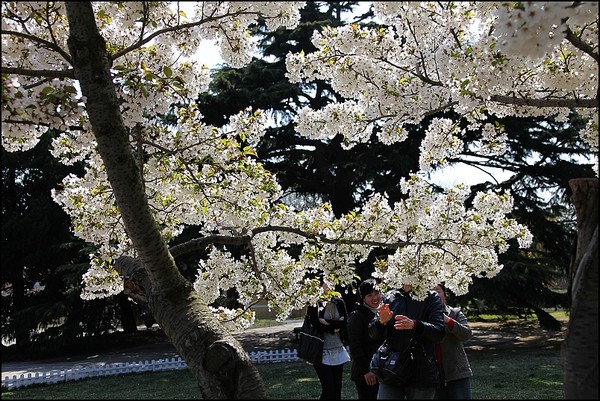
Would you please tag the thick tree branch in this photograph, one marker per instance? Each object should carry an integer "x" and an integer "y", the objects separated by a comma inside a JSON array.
[
  {"x": 136, "y": 281},
  {"x": 326, "y": 240},
  {"x": 585, "y": 103},
  {"x": 39, "y": 73},
  {"x": 197, "y": 243},
  {"x": 581, "y": 45},
  {"x": 38, "y": 42}
]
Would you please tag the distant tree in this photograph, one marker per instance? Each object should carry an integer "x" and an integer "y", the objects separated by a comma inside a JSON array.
[
  {"x": 542, "y": 156},
  {"x": 310, "y": 171},
  {"x": 42, "y": 261}
]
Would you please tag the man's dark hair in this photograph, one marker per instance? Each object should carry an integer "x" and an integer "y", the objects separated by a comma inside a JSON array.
[{"x": 367, "y": 287}]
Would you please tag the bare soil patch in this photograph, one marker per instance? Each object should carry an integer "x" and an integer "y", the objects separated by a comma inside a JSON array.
[{"x": 515, "y": 334}]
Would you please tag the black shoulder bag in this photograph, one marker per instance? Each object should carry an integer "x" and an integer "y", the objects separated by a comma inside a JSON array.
[
  {"x": 393, "y": 367},
  {"x": 310, "y": 347}
]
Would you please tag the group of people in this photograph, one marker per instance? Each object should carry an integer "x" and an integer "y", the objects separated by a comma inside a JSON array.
[{"x": 441, "y": 371}]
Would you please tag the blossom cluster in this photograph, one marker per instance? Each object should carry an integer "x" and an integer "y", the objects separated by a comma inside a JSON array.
[{"x": 474, "y": 58}]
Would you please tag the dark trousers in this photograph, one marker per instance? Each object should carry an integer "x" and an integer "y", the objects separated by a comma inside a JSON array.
[
  {"x": 331, "y": 381},
  {"x": 366, "y": 392},
  {"x": 455, "y": 390}
]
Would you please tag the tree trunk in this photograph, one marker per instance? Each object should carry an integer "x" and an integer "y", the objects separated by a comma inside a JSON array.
[
  {"x": 217, "y": 361},
  {"x": 212, "y": 354},
  {"x": 580, "y": 348}
]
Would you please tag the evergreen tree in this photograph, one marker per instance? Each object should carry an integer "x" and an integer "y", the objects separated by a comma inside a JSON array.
[{"x": 42, "y": 261}]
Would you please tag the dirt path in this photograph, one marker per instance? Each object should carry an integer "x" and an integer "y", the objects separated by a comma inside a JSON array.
[{"x": 518, "y": 334}]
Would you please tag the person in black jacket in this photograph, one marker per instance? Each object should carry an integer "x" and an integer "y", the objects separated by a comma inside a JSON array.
[
  {"x": 332, "y": 320},
  {"x": 400, "y": 317},
  {"x": 362, "y": 346}
]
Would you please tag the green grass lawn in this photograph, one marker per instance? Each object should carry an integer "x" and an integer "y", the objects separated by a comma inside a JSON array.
[{"x": 526, "y": 374}]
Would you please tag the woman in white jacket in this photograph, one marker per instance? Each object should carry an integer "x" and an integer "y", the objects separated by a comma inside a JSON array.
[{"x": 329, "y": 316}]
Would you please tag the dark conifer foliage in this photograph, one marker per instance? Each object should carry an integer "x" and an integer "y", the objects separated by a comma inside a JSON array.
[
  {"x": 540, "y": 168},
  {"x": 307, "y": 169},
  {"x": 39, "y": 247}
]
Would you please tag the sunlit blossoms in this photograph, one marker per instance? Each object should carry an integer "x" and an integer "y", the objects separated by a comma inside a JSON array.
[
  {"x": 431, "y": 57},
  {"x": 475, "y": 58}
]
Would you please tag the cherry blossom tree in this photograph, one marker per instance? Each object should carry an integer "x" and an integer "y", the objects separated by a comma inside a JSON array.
[
  {"x": 104, "y": 74},
  {"x": 476, "y": 59}
]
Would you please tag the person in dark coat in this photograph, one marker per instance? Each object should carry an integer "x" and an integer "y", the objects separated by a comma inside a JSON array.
[
  {"x": 456, "y": 370},
  {"x": 400, "y": 317},
  {"x": 362, "y": 346}
]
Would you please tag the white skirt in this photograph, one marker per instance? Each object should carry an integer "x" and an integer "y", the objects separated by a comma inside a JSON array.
[{"x": 335, "y": 356}]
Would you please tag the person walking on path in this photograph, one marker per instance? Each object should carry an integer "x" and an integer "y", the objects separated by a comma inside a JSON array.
[
  {"x": 332, "y": 320},
  {"x": 362, "y": 346},
  {"x": 401, "y": 318},
  {"x": 450, "y": 353}
]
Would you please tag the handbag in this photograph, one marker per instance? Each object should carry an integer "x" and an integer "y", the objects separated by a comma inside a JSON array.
[
  {"x": 393, "y": 367},
  {"x": 310, "y": 346}
]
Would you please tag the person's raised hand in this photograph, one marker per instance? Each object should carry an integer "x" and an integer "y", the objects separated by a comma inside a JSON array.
[{"x": 385, "y": 314}]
